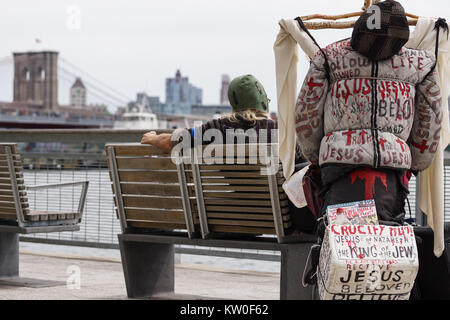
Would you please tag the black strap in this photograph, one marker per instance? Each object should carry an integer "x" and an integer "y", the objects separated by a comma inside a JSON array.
[
  {"x": 440, "y": 23},
  {"x": 327, "y": 66}
]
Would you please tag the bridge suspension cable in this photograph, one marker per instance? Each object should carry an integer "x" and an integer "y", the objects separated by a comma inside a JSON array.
[
  {"x": 104, "y": 94},
  {"x": 70, "y": 79},
  {"x": 100, "y": 83}
]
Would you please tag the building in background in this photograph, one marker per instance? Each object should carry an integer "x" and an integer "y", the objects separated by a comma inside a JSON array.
[
  {"x": 183, "y": 105},
  {"x": 78, "y": 94},
  {"x": 147, "y": 104},
  {"x": 224, "y": 90},
  {"x": 181, "y": 95}
]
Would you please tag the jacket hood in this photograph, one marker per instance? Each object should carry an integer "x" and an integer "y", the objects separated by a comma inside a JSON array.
[{"x": 381, "y": 31}]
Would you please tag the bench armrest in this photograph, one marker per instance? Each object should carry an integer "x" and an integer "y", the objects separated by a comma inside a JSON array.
[
  {"x": 56, "y": 185},
  {"x": 84, "y": 184}
]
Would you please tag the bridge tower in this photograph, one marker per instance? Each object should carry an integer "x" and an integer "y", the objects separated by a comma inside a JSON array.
[{"x": 35, "y": 78}]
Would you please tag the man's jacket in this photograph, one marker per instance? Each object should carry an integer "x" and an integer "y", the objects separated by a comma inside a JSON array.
[{"x": 384, "y": 114}]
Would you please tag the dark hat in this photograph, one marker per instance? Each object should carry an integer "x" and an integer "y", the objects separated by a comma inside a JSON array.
[
  {"x": 246, "y": 92},
  {"x": 381, "y": 31}
]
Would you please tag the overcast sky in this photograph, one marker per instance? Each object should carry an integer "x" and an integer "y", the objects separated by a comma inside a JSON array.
[{"x": 133, "y": 46}]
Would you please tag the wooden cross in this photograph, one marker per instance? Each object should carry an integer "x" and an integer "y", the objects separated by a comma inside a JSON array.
[{"x": 412, "y": 19}]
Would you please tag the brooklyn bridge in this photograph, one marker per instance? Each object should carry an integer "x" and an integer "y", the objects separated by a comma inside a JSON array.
[{"x": 35, "y": 104}]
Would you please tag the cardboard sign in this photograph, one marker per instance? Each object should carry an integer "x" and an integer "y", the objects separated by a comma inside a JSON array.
[
  {"x": 367, "y": 262},
  {"x": 359, "y": 212}
]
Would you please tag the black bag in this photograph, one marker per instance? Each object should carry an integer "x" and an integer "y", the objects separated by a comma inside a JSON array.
[
  {"x": 302, "y": 219},
  {"x": 433, "y": 278},
  {"x": 312, "y": 188}
]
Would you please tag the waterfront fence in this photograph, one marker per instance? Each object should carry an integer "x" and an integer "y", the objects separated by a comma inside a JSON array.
[{"x": 63, "y": 155}]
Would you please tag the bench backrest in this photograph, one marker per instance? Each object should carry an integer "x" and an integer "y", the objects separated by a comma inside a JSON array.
[
  {"x": 146, "y": 188},
  {"x": 239, "y": 190},
  {"x": 231, "y": 188},
  {"x": 13, "y": 197}
]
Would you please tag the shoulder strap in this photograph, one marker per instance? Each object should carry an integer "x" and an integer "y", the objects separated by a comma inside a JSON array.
[
  {"x": 440, "y": 23},
  {"x": 327, "y": 66}
]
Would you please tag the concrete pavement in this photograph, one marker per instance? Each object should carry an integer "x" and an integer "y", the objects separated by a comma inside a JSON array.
[{"x": 102, "y": 278}]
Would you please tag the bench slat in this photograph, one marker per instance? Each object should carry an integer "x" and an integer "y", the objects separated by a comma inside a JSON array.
[
  {"x": 4, "y": 192},
  {"x": 17, "y": 169},
  {"x": 8, "y": 216},
  {"x": 244, "y": 216},
  {"x": 13, "y": 210},
  {"x": 139, "y": 150},
  {"x": 242, "y": 208},
  {"x": 241, "y": 149},
  {"x": 145, "y": 163},
  {"x": 152, "y": 202},
  {"x": 6, "y": 187},
  {"x": 44, "y": 215},
  {"x": 235, "y": 181},
  {"x": 6, "y": 197},
  {"x": 6, "y": 175},
  {"x": 238, "y": 188},
  {"x": 150, "y": 189},
  {"x": 246, "y": 223},
  {"x": 16, "y": 163},
  {"x": 7, "y": 180},
  {"x": 143, "y": 176},
  {"x": 11, "y": 204},
  {"x": 158, "y": 225},
  {"x": 239, "y": 229},
  {"x": 165, "y": 216},
  {"x": 244, "y": 203},
  {"x": 240, "y": 195},
  {"x": 13, "y": 147},
  {"x": 231, "y": 167},
  {"x": 15, "y": 157},
  {"x": 236, "y": 195},
  {"x": 231, "y": 174}
]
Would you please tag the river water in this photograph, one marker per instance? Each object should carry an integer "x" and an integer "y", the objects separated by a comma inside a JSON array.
[{"x": 100, "y": 224}]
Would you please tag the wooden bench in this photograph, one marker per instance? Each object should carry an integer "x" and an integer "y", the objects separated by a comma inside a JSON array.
[
  {"x": 16, "y": 217},
  {"x": 220, "y": 200}
]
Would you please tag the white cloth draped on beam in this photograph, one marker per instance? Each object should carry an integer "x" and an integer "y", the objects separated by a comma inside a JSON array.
[
  {"x": 431, "y": 180},
  {"x": 431, "y": 197},
  {"x": 286, "y": 59}
]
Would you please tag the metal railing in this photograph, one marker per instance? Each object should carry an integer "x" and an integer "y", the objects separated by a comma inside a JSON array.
[{"x": 78, "y": 154}]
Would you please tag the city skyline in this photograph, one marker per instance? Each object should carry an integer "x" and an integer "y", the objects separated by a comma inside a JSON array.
[{"x": 133, "y": 46}]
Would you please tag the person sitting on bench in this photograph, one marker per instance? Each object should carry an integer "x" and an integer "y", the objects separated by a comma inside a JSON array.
[{"x": 250, "y": 107}]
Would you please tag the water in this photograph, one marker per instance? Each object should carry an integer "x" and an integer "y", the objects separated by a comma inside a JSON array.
[{"x": 100, "y": 224}]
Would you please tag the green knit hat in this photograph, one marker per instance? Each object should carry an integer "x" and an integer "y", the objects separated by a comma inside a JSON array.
[{"x": 246, "y": 92}]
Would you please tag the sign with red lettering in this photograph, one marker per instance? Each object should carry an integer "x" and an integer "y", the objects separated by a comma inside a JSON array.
[
  {"x": 367, "y": 262},
  {"x": 359, "y": 212}
]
